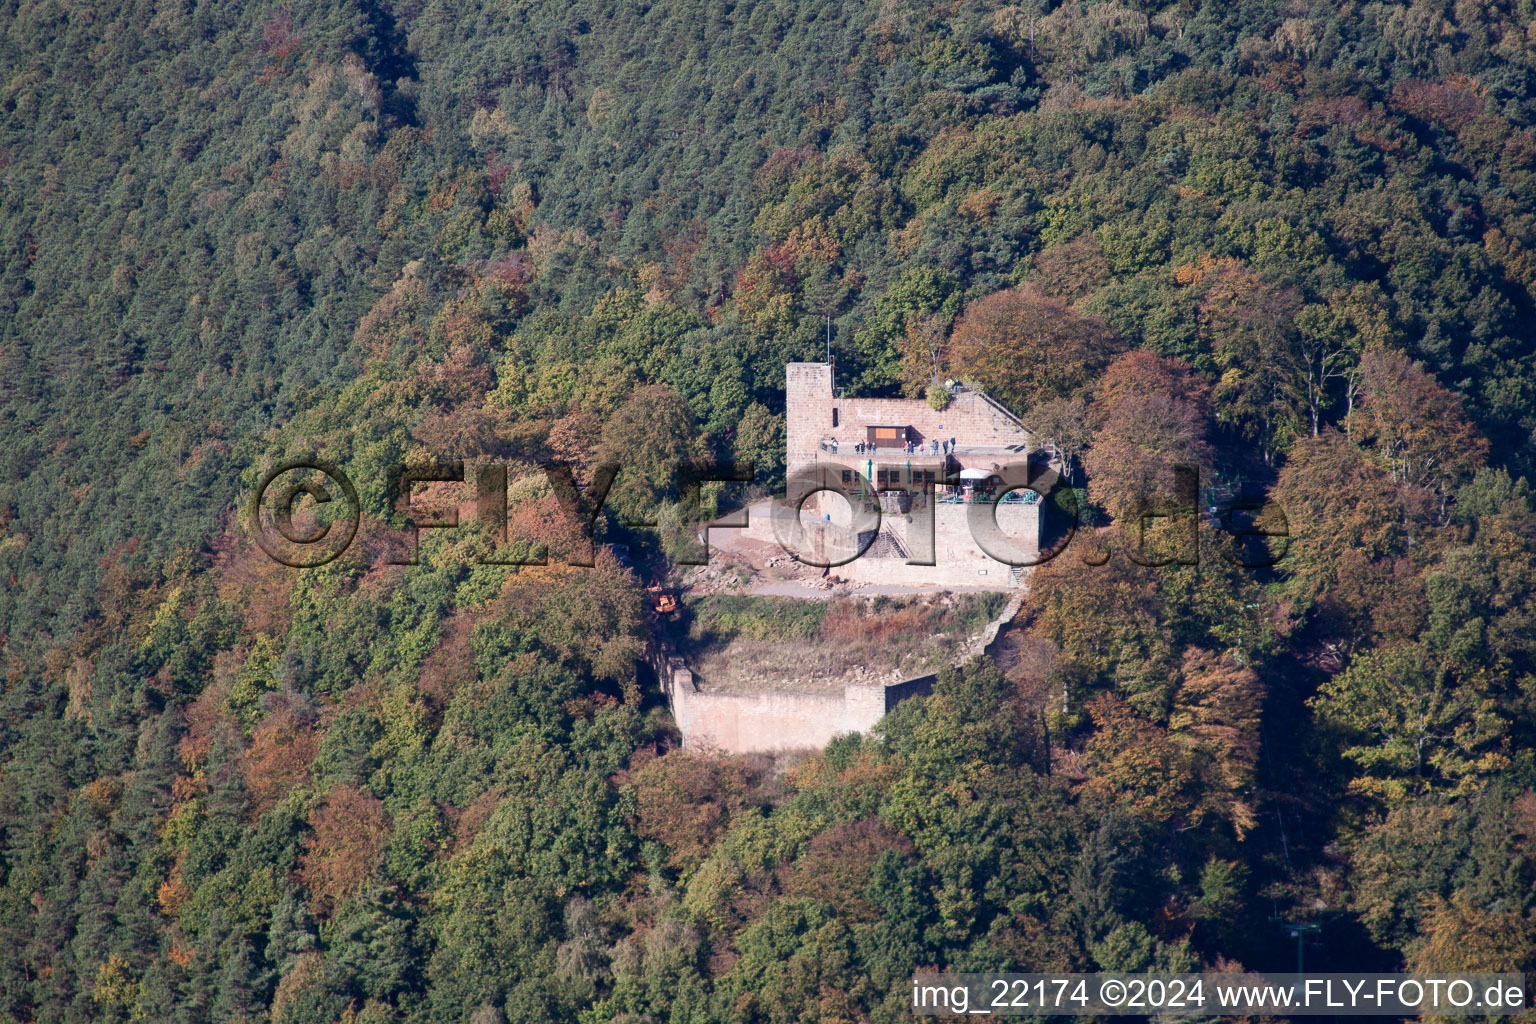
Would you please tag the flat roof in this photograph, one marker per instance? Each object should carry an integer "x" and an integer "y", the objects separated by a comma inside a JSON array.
[{"x": 960, "y": 452}]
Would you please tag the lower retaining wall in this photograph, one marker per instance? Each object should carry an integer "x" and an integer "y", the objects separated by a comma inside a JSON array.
[
  {"x": 768, "y": 721},
  {"x": 773, "y": 720},
  {"x": 739, "y": 723}
]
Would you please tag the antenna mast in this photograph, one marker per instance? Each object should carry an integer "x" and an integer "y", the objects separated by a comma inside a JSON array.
[{"x": 829, "y": 340}]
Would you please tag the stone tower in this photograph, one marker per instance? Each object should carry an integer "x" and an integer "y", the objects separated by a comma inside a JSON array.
[{"x": 810, "y": 410}]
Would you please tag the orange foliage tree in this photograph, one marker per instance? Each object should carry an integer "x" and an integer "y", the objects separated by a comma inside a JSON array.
[
  {"x": 1338, "y": 504},
  {"x": 1027, "y": 347},
  {"x": 278, "y": 759},
  {"x": 351, "y": 829},
  {"x": 1152, "y": 414},
  {"x": 1416, "y": 427},
  {"x": 683, "y": 800}
]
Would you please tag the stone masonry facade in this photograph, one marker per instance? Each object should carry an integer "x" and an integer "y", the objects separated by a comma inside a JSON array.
[
  {"x": 986, "y": 438},
  {"x": 778, "y": 720},
  {"x": 813, "y": 412}
]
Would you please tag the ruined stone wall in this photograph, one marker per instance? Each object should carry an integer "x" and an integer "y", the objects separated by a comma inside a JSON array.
[
  {"x": 959, "y": 560},
  {"x": 739, "y": 723},
  {"x": 812, "y": 412},
  {"x": 774, "y": 720},
  {"x": 770, "y": 720},
  {"x": 918, "y": 686}
]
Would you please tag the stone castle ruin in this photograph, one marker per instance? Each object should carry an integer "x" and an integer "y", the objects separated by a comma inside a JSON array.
[
  {"x": 933, "y": 474},
  {"x": 910, "y": 504}
]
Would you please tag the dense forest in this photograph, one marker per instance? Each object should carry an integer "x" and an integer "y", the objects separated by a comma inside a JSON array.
[{"x": 1280, "y": 240}]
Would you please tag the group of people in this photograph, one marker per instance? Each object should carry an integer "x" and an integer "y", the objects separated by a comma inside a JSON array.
[{"x": 934, "y": 447}]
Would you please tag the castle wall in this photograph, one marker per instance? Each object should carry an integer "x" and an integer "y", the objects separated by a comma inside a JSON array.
[
  {"x": 959, "y": 560},
  {"x": 813, "y": 412},
  {"x": 771, "y": 720},
  {"x": 765, "y": 721}
]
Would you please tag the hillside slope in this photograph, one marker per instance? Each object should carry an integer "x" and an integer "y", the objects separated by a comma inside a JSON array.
[{"x": 1289, "y": 243}]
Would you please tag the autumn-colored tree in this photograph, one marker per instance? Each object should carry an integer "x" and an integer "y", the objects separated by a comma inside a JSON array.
[
  {"x": 541, "y": 528},
  {"x": 1141, "y": 372},
  {"x": 464, "y": 374},
  {"x": 1027, "y": 347},
  {"x": 1450, "y": 104},
  {"x": 1071, "y": 269},
  {"x": 465, "y": 432},
  {"x": 685, "y": 799},
  {"x": 573, "y": 439},
  {"x": 1465, "y": 934},
  {"x": 838, "y": 863},
  {"x": 1338, "y": 505},
  {"x": 1147, "y": 450},
  {"x": 1369, "y": 601},
  {"x": 1414, "y": 425},
  {"x": 767, "y": 287},
  {"x": 1137, "y": 762},
  {"x": 1216, "y": 711},
  {"x": 1199, "y": 767},
  {"x": 351, "y": 828},
  {"x": 1145, "y": 441},
  {"x": 393, "y": 317},
  {"x": 278, "y": 758},
  {"x": 254, "y": 583},
  {"x": 602, "y": 386},
  {"x": 452, "y": 665}
]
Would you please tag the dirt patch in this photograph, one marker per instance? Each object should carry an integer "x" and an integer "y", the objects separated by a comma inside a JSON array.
[
  {"x": 754, "y": 666},
  {"x": 770, "y": 572},
  {"x": 742, "y": 643}
]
